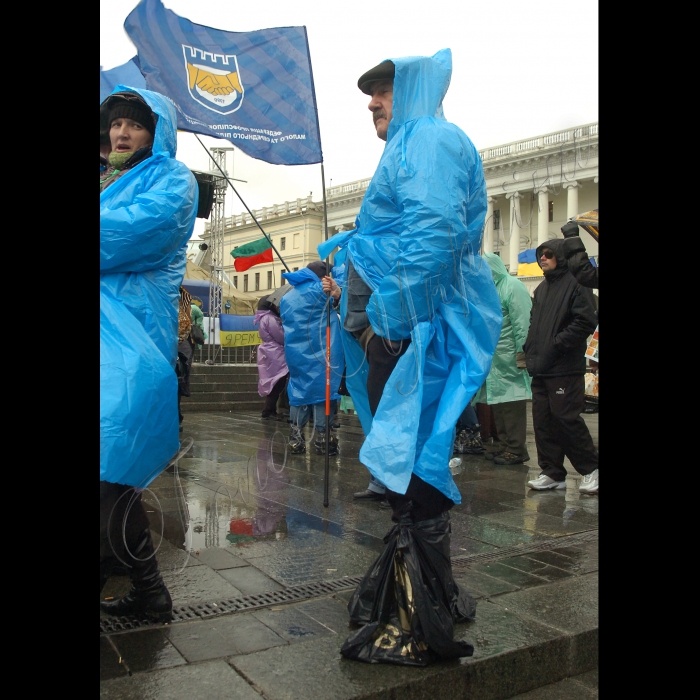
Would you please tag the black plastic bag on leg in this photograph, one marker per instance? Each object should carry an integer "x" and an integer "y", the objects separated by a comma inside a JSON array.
[{"x": 408, "y": 600}]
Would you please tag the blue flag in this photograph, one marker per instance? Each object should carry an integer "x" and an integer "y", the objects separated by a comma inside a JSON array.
[
  {"x": 126, "y": 74},
  {"x": 254, "y": 89}
]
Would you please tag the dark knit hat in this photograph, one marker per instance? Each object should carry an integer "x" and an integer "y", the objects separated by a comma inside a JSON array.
[
  {"x": 384, "y": 71},
  {"x": 318, "y": 267},
  {"x": 132, "y": 107}
]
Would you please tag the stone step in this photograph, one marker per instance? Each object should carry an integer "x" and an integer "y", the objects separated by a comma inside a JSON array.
[
  {"x": 231, "y": 370},
  {"x": 219, "y": 406},
  {"x": 219, "y": 396},
  {"x": 236, "y": 386}
]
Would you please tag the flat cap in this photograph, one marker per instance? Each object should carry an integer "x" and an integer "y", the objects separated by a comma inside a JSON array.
[{"x": 384, "y": 71}]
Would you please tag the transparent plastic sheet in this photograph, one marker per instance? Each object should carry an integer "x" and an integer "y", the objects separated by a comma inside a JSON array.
[{"x": 408, "y": 602}]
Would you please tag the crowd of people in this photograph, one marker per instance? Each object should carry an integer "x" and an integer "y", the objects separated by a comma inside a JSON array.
[{"x": 418, "y": 338}]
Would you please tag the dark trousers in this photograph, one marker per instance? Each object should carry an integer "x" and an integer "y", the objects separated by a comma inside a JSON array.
[
  {"x": 511, "y": 425},
  {"x": 468, "y": 419},
  {"x": 185, "y": 349},
  {"x": 423, "y": 500},
  {"x": 123, "y": 523},
  {"x": 487, "y": 421},
  {"x": 557, "y": 403},
  {"x": 272, "y": 398}
]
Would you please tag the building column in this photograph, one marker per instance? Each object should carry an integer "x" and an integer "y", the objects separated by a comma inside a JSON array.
[
  {"x": 542, "y": 215},
  {"x": 514, "y": 244},
  {"x": 488, "y": 231},
  {"x": 571, "y": 199}
]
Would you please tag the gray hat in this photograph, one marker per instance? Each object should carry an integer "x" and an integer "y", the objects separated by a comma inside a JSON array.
[{"x": 384, "y": 71}]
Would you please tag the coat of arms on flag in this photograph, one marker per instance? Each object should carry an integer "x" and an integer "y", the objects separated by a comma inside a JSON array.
[{"x": 213, "y": 79}]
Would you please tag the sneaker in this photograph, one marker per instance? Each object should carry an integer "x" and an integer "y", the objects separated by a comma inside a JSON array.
[
  {"x": 492, "y": 455},
  {"x": 507, "y": 458},
  {"x": 297, "y": 444},
  {"x": 320, "y": 444},
  {"x": 543, "y": 482},
  {"x": 589, "y": 483},
  {"x": 269, "y": 415}
]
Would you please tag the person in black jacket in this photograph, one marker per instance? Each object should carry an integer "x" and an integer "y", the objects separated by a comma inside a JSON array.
[
  {"x": 562, "y": 317},
  {"x": 577, "y": 258}
]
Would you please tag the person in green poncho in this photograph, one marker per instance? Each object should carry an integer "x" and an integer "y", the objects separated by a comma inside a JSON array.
[
  {"x": 198, "y": 320},
  {"x": 507, "y": 386}
]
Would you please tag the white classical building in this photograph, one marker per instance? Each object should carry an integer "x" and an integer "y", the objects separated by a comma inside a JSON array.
[{"x": 533, "y": 186}]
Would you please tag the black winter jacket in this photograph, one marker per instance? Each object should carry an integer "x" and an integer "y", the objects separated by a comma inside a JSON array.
[
  {"x": 562, "y": 317},
  {"x": 579, "y": 263}
]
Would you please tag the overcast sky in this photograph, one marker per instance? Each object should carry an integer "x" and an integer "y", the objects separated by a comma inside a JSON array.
[{"x": 521, "y": 68}]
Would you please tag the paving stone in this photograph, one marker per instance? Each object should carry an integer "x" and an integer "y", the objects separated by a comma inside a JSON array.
[
  {"x": 568, "y": 689},
  {"x": 480, "y": 585},
  {"x": 170, "y": 558},
  {"x": 250, "y": 581},
  {"x": 590, "y": 679},
  {"x": 109, "y": 661},
  {"x": 329, "y": 612},
  {"x": 199, "y": 641},
  {"x": 247, "y": 633},
  {"x": 570, "y": 605},
  {"x": 211, "y": 680},
  {"x": 538, "y": 568},
  {"x": 479, "y": 528},
  {"x": 534, "y": 521},
  {"x": 199, "y": 584},
  {"x": 217, "y": 558},
  {"x": 292, "y": 624},
  {"x": 512, "y": 576},
  {"x": 147, "y": 650}
]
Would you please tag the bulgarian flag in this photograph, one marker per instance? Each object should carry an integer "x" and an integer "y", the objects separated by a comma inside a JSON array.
[{"x": 252, "y": 253}]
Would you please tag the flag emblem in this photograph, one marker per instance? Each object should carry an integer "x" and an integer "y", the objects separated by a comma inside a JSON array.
[{"x": 213, "y": 79}]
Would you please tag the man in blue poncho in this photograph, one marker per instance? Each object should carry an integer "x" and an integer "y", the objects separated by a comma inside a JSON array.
[
  {"x": 304, "y": 314},
  {"x": 148, "y": 204},
  {"x": 420, "y": 310},
  {"x": 421, "y": 318}
]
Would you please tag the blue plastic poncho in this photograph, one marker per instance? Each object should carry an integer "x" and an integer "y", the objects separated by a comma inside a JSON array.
[
  {"x": 416, "y": 243},
  {"x": 304, "y": 319},
  {"x": 146, "y": 218}
]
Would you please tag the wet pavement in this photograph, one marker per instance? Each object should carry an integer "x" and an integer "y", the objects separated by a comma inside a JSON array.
[{"x": 260, "y": 574}]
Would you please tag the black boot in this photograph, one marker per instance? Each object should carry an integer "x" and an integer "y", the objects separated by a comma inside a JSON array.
[{"x": 148, "y": 595}]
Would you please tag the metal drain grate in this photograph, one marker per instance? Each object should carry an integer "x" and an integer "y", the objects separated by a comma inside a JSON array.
[
  {"x": 462, "y": 560},
  {"x": 200, "y": 611}
]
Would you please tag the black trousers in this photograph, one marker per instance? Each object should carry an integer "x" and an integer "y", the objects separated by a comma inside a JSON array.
[
  {"x": 511, "y": 425},
  {"x": 557, "y": 404},
  {"x": 123, "y": 523},
  {"x": 424, "y": 500},
  {"x": 272, "y": 398}
]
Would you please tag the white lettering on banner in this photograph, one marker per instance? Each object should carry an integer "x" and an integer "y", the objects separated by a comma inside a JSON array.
[{"x": 256, "y": 135}]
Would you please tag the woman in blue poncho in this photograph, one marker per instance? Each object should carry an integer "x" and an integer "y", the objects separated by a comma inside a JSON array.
[{"x": 148, "y": 204}]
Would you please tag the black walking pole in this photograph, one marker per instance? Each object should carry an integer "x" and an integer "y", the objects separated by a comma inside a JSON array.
[
  {"x": 326, "y": 469},
  {"x": 272, "y": 245}
]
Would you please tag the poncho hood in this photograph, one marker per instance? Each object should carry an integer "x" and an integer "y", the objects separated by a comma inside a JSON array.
[
  {"x": 165, "y": 137},
  {"x": 420, "y": 85}
]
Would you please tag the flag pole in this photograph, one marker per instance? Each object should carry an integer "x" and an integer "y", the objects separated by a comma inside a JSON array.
[
  {"x": 272, "y": 245},
  {"x": 326, "y": 469}
]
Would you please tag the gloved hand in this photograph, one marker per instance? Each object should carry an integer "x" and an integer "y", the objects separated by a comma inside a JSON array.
[
  {"x": 570, "y": 229},
  {"x": 520, "y": 360}
]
